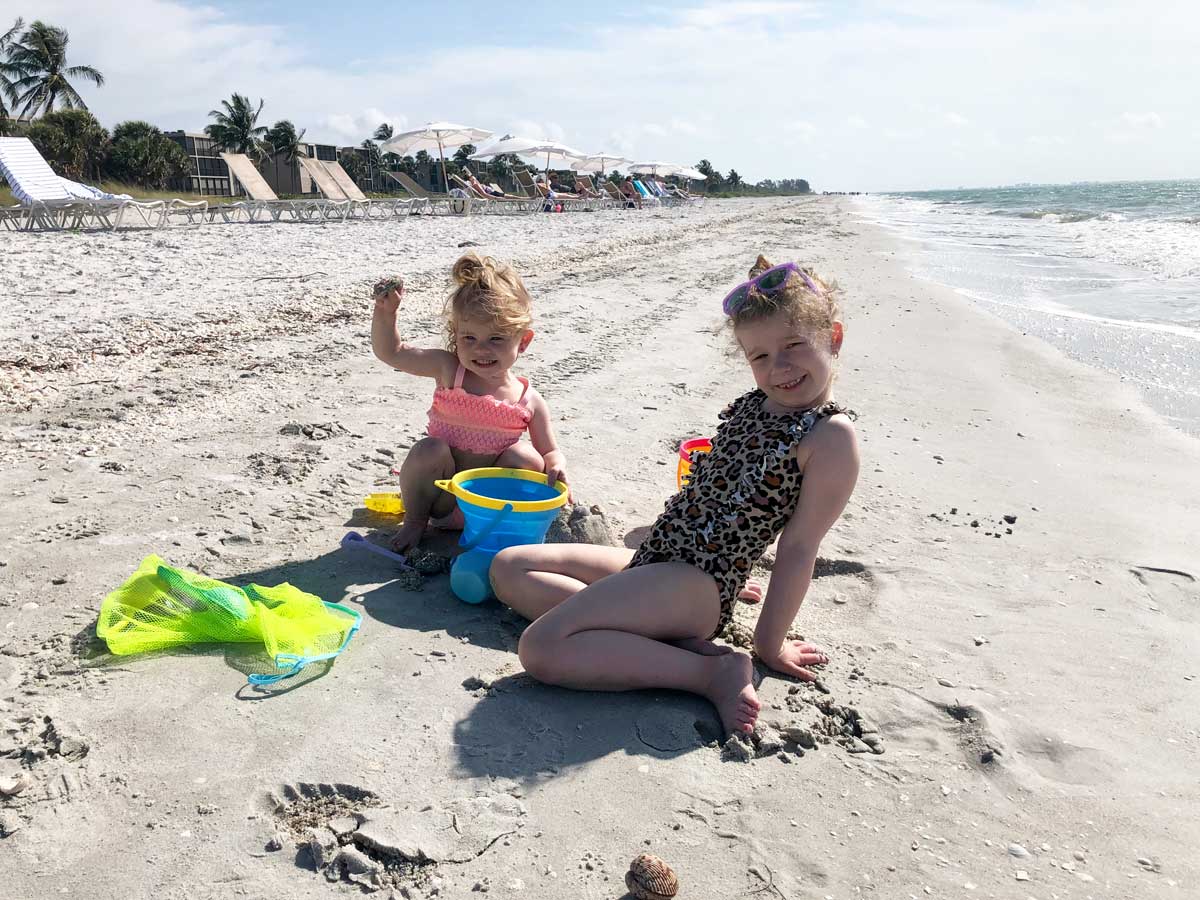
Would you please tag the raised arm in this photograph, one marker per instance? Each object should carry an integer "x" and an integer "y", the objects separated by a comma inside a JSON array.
[
  {"x": 391, "y": 348},
  {"x": 541, "y": 432},
  {"x": 829, "y": 477}
]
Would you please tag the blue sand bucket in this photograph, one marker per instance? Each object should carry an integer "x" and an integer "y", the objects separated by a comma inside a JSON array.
[{"x": 502, "y": 508}]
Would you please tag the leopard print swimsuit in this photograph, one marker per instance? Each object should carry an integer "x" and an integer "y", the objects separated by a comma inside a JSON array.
[{"x": 740, "y": 497}]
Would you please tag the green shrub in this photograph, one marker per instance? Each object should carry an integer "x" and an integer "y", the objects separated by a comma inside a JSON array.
[
  {"x": 141, "y": 154},
  {"x": 72, "y": 141}
]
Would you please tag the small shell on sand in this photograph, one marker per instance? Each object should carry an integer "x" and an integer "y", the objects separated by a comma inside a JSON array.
[
  {"x": 387, "y": 285},
  {"x": 12, "y": 785},
  {"x": 649, "y": 878}
]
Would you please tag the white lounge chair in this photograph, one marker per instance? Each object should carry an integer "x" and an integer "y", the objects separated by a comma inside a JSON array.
[
  {"x": 262, "y": 200},
  {"x": 486, "y": 203},
  {"x": 337, "y": 204},
  {"x": 50, "y": 201},
  {"x": 434, "y": 202},
  {"x": 372, "y": 208},
  {"x": 527, "y": 183}
]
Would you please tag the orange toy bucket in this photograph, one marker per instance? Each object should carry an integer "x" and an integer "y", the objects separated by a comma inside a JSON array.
[{"x": 686, "y": 451}]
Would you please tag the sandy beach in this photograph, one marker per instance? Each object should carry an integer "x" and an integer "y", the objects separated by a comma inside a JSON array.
[{"x": 1010, "y": 601}]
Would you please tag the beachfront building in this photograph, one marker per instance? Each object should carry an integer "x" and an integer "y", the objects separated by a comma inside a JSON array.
[
  {"x": 209, "y": 175},
  {"x": 288, "y": 178}
]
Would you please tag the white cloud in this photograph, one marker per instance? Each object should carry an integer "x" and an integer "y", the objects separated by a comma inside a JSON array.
[
  {"x": 900, "y": 135},
  {"x": 1046, "y": 140},
  {"x": 550, "y": 131},
  {"x": 953, "y": 118},
  {"x": 682, "y": 126},
  {"x": 857, "y": 122},
  {"x": 354, "y": 127},
  {"x": 1142, "y": 120},
  {"x": 1133, "y": 127},
  {"x": 805, "y": 131},
  {"x": 715, "y": 15}
]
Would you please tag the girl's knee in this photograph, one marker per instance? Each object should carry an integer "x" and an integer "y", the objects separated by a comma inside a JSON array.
[
  {"x": 521, "y": 456},
  {"x": 505, "y": 570},
  {"x": 428, "y": 452},
  {"x": 536, "y": 654}
]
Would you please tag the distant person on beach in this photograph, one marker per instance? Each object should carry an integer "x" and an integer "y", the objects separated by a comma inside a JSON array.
[
  {"x": 480, "y": 186},
  {"x": 631, "y": 193},
  {"x": 480, "y": 408},
  {"x": 552, "y": 188},
  {"x": 783, "y": 464}
]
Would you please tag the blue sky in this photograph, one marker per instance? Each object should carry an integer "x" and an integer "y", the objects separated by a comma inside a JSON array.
[{"x": 867, "y": 95}]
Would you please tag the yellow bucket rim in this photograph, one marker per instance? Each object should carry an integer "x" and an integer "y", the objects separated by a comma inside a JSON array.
[{"x": 454, "y": 486}]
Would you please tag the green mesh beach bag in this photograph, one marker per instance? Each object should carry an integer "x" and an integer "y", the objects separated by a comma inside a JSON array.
[{"x": 161, "y": 607}]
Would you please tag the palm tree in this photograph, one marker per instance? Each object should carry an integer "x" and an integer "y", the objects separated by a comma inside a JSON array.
[
  {"x": 6, "y": 91},
  {"x": 374, "y": 160},
  {"x": 283, "y": 141},
  {"x": 237, "y": 129},
  {"x": 712, "y": 178},
  {"x": 501, "y": 166},
  {"x": 353, "y": 164},
  {"x": 388, "y": 161},
  {"x": 37, "y": 71},
  {"x": 734, "y": 179}
]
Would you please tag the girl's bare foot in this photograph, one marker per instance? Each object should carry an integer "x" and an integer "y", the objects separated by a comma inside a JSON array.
[
  {"x": 731, "y": 691},
  {"x": 452, "y": 521},
  {"x": 703, "y": 647},
  {"x": 752, "y": 592},
  {"x": 408, "y": 536}
]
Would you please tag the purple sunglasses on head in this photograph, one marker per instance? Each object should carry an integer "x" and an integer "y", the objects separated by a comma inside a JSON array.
[{"x": 768, "y": 283}]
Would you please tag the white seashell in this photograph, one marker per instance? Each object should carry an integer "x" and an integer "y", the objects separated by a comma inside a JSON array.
[{"x": 14, "y": 784}]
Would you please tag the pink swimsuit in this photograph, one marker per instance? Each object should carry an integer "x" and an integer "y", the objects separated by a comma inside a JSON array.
[{"x": 478, "y": 424}]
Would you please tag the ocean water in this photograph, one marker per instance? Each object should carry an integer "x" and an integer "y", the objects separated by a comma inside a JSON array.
[{"x": 1109, "y": 273}]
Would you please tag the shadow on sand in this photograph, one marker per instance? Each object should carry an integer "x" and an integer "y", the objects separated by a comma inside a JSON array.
[{"x": 517, "y": 728}]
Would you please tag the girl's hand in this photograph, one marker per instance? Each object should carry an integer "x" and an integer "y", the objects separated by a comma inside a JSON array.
[
  {"x": 388, "y": 294},
  {"x": 557, "y": 473},
  {"x": 793, "y": 656}
]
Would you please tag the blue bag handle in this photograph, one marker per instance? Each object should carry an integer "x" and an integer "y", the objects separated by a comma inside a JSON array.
[{"x": 293, "y": 663}]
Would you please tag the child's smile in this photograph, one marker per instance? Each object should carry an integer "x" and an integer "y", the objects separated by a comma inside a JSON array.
[
  {"x": 486, "y": 351},
  {"x": 793, "y": 366}
]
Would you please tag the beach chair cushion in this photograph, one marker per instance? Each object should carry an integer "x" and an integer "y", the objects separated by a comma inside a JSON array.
[
  {"x": 87, "y": 192},
  {"x": 28, "y": 174}
]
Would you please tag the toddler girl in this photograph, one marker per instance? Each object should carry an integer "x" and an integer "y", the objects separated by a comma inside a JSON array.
[
  {"x": 783, "y": 464},
  {"x": 480, "y": 409}
]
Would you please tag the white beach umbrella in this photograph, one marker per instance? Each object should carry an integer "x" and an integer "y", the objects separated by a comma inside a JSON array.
[
  {"x": 599, "y": 162},
  {"x": 435, "y": 134},
  {"x": 692, "y": 174},
  {"x": 549, "y": 150},
  {"x": 509, "y": 144},
  {"x": 655, "y": 168}
]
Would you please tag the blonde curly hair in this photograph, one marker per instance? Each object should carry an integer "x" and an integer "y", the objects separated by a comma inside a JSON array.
[
  {"x": 490, "y": 290},
  {"x": 812, "y": 310}
]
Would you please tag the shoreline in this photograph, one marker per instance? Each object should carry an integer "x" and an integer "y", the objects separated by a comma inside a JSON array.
[
  {"x": 1067, "y": 646},
  {"x": 1157, "y": 356}
]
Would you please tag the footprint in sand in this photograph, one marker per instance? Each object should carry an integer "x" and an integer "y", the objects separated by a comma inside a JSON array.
[
  {"x": 1168, "y": 586},
  {"x": 347, "y": 834}
]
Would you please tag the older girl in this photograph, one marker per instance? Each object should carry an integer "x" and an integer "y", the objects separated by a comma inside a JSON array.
[{"x": 783, "y": 464}]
